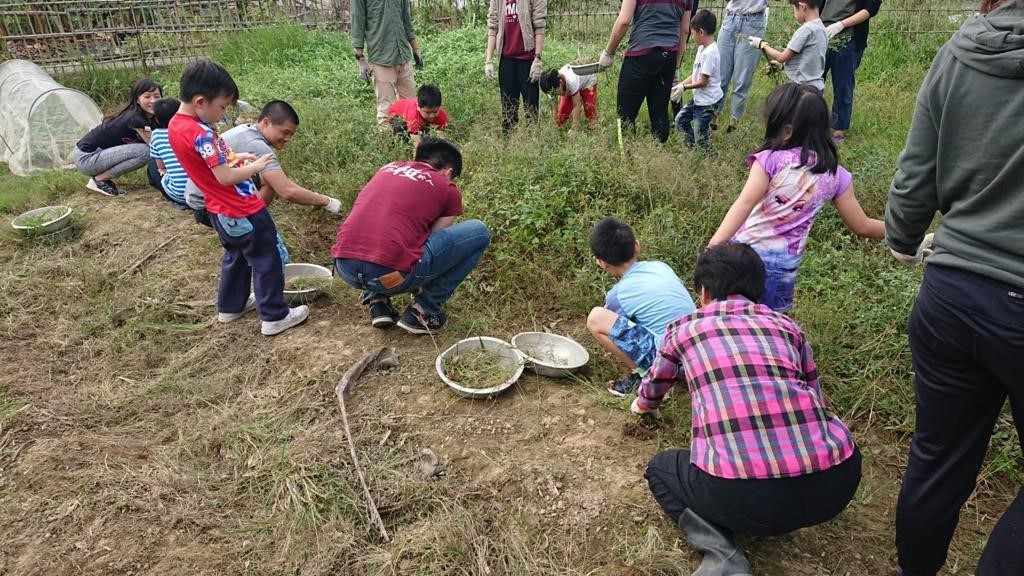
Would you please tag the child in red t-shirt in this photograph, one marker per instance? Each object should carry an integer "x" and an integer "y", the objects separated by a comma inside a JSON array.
[
  {"x": 237, "y": 212},
  {"x": 413, "y": 117},
  {"x": 578, "y": 94}
]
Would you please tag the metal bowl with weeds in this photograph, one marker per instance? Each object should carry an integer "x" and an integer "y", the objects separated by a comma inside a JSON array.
[
  {"x": 41, "y": 221},
  {"x": 479, "y": 367},
  {"x": 305, "y": 282},
  {"x": 551, "y": 355}
]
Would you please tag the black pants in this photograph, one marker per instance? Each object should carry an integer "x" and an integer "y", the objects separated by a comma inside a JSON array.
[
  {"x": 967, "y": 339},
  {"x": 648, "y": 77},
  {"x": 514, "y": 83},
  {"x": 760, "y": 507}
]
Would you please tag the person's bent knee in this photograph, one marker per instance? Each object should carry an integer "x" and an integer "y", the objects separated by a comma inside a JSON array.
[
  {"x": 595, "y": 319},
  {"x": 477, "y": 229}
]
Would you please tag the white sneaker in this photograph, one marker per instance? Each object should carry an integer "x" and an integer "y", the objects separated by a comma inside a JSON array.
[
  {"x": 295, "y": 317},
  {"x": 250, "y": 305}
]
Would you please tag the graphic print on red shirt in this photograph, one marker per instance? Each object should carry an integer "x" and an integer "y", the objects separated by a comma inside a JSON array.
[
  {"x": 199, "y": 149},
  {"x": 408, "y": 109},
  {"x": 391, "y": 218},
  {"x": 512, "y": 45}
]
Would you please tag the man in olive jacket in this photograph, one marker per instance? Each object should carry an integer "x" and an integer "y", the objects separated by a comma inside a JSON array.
[{"x": 386, "y": 49}]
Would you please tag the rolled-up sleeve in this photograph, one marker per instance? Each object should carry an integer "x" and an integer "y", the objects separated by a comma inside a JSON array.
[{"x": 540, "y": 16}]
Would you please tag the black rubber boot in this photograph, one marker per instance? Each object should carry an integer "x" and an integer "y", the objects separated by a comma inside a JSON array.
[{"x": 722, "y": 554}]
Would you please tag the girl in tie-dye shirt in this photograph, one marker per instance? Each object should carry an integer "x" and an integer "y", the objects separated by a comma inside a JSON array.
[{"x": 792, "y": 176}]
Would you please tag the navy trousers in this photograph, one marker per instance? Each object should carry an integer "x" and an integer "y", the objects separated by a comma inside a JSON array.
[
  {"x": 967, "y": 338},
  {"x": 250, "y": 257}
]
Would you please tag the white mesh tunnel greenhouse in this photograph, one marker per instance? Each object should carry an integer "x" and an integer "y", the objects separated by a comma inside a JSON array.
[{"x": 40, "y": 120}]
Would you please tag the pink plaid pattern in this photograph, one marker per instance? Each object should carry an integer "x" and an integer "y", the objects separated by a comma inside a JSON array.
[{"x": 757, "y": 408}]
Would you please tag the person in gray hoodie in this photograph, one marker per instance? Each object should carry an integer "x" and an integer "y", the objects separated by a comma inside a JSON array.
[{"x": 964, "y": 158}]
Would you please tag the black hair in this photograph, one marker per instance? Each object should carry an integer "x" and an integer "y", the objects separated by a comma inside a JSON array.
[
  {"x": 279, "y": 112},
  {"x": 550, "y": 80},
  {"x": 612, "y": 241},
  {"x": 804, "y": 111},
  {"x": 727, "y": 269},
  {"x": 428, "y": 96},
  {"x": 206, "y": 78},
  {"x": 440, "y": 154},
  {"x": 141, "y": 86},
  {"x": 816, "y": 4},
  {"x": 704, "y": 20},
  {"x": 164, "y": 110}
]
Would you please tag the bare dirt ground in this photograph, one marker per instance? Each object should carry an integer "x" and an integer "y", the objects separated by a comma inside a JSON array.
[{"x": 138, "y": 436}]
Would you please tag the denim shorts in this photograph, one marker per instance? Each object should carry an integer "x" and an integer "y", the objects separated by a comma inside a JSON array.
[{"x": 635, "y": 341}]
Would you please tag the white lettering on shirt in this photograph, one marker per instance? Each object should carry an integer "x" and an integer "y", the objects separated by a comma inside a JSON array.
[{"x": 414, "y": 174}]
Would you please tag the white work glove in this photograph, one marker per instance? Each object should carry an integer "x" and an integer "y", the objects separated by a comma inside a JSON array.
[
  {"x": 755, "y": 42},
  {"x": 833, "y": 29},
  {"x": 605, "y": 61},
  {"x": 923, "y": 252},
  {"x": 535, "y": 70},
  {"x": 364, "y": 70},
  {"x": 333, "y": 205},
  {"x": 489, "y": 70},
  {"x": 677, "y": 92},
  {"x": 636, "y": 409}
]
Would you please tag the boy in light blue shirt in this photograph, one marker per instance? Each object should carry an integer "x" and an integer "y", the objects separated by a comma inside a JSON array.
[
  {"x": 165, "y": 172},
  {"x": 637, "y": 309}
]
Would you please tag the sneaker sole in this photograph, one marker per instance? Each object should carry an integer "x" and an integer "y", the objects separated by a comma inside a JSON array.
[
  {"x": 383, "y": 322},
  {"x": 412, "y": 329},
  {"x": 100, "y": 190},
  {"x": 276, "y": 331}
]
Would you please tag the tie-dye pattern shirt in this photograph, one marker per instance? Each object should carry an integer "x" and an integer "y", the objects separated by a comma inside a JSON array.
[{"x": 782, "y": 220}]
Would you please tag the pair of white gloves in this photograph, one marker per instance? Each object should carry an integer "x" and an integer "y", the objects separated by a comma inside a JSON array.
[
  {"x": 832, "y": 30},
  {"x": 536, "y": 69}
]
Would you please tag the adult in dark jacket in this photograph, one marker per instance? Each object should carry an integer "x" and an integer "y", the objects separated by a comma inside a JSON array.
[
  {"x": 964, "y": 158},
  {"x": 658, "y": 30},
  {"x": 846, "y": 22}
]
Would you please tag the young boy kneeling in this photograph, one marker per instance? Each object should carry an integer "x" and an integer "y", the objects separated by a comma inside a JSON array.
[
  {"x": 636, "y": 310},
  {"x": 413, "y": 117},
  {"x": 238, "y": 214},
  {"x": 767, "y": 457}
]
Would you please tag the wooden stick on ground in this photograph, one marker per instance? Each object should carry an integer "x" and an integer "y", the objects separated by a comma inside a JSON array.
[
  {"x": 143, "y": 260},
  {"x": 381, "y": 357}
]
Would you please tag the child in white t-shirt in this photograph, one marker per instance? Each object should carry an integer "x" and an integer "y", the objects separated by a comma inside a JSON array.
[
  {"x": 706, "y": 83},
  {"x": 578, "y": 93}
]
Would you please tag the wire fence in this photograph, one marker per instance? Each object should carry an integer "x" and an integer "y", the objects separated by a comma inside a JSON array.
[{"x": 68, "y": 35}]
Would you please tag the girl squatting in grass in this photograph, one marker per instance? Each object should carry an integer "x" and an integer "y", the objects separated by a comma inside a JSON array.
[
  {"x": 120, "y": 143},
  {"x": 794, "y": 173}
]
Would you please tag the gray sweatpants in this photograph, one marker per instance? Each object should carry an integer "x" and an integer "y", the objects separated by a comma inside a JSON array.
[{"x": 114, "y": 161}]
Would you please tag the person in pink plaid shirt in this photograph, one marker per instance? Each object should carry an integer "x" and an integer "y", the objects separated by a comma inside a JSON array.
[{"x": 767, "y": 456}]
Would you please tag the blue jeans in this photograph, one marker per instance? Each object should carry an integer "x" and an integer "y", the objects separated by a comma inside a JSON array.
[
  {"x": 448, "y": 256},
  {"x": 703, "y": 115},
  {"x": 739, "y": 58},
  {"x": 842, "y": 65},
  {"x": 780, "y": 270},
  {"x": 966, "y": 333}
]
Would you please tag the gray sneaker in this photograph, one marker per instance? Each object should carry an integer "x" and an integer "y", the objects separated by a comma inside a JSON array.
[{"x": 295, "y": 317}]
